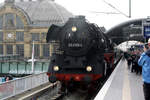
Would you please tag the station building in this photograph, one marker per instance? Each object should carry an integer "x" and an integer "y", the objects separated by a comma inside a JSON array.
[{"x": 25, "y": 21}]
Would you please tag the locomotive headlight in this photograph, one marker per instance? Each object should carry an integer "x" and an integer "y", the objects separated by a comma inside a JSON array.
[
  {"x": 74, "y": 29},
  {"x": 56, "y": 68},
  {"x": 89, "y": 68}
]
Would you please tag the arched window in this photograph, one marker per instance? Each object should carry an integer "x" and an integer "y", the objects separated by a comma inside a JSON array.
[
  {"x": 19, "y": 23},
  {"x": 9, "y": 20}
]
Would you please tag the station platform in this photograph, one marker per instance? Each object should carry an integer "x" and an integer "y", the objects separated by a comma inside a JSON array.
[{"x": 122, "y": 85}]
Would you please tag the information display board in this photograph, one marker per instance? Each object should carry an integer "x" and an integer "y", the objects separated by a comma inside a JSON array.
[
  {"x": 146, "y": 27},
  {"x": 146, "y": 31}
]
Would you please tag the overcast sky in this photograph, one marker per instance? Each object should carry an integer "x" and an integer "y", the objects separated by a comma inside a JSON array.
[{"x": 140, "y": 9}]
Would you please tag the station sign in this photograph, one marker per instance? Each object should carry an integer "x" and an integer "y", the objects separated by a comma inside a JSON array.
[
  {"x": 146, "y": 31},
  {"x": 146, "y": 27}
]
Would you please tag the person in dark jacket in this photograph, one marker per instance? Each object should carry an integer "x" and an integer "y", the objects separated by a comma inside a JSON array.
[
  {"x": 144, "y": 61},
  {"x": 129, "y": 61},
  {"x": 138, "y": 68},
  {"x": 134, "y": 63}
]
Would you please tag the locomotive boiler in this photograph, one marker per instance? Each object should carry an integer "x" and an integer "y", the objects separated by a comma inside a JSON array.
[{"x": 79, "y": 51}]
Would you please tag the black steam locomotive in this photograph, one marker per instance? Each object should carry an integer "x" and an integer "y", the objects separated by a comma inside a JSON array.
[{"x": 79, "y": 51}]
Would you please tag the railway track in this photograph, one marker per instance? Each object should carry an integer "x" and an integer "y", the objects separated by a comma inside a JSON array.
[
  {"x": 50, "y": 93},
  {"x": 89, "y": 95},
  {"x": 77, "y": 94},
  {"x": 55, "y": 93}
]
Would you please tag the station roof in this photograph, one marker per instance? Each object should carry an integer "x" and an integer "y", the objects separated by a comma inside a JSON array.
[
  {"x": 41, "y": 13},
  {"x": 130, "y": 30}
]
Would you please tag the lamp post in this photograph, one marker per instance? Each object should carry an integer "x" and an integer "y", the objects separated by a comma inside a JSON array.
[
  {"x": 33, "y": 58},
  {"x": 129, "y": 8}
]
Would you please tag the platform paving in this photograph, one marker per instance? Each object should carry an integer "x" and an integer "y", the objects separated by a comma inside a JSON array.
[{"x": 122, "y": 85}]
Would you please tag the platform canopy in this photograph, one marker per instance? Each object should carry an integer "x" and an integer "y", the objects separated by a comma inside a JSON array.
[
  {"x": 124, "y": 46},
  {"x": 130, "y": 30}
]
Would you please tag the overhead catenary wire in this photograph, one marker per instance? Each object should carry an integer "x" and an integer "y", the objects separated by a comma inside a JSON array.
[
  {"x": 104, "y": 12},
  {"x": 116, "y": 9}
]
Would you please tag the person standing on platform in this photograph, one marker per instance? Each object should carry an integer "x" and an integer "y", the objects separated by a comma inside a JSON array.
[{"x": 144, "y": 61}]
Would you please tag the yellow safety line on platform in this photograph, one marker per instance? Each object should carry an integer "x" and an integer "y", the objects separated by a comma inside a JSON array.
[{"x": 126, "y": 93}]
